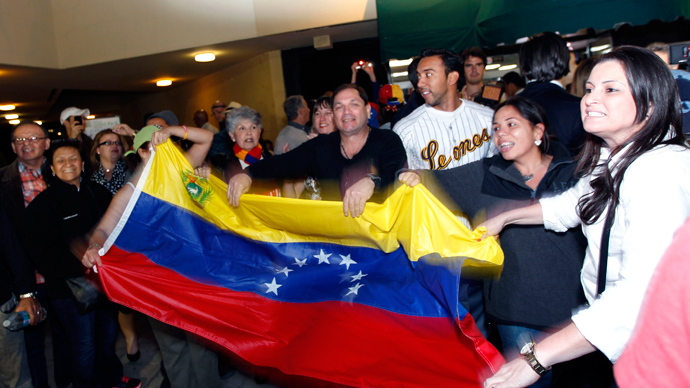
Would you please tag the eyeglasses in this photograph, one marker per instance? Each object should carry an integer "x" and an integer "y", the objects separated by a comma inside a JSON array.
[
  {"x": 31, "y": 139},
  {"x": 109, "y": 143}
]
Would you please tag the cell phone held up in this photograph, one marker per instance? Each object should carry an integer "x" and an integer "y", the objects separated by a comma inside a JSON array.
[
  {"x": 79, "y": 120},
  {"x": 361, "y": 64}
]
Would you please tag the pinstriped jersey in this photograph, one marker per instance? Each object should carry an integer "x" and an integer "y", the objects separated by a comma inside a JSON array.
[{"x": 437, "y": 140}]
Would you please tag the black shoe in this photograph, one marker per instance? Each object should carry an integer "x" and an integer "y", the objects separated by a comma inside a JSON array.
[{"x": 134, "y": 357}]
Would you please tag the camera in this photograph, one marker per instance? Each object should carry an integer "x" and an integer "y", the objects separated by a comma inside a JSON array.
[{"x": 78, "y": 120}]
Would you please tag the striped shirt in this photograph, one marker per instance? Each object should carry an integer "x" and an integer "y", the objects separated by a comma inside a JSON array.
[{"x": 436, "y": 140}]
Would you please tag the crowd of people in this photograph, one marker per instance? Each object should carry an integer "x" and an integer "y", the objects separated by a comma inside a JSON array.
[{"x": 585, "y": 188}]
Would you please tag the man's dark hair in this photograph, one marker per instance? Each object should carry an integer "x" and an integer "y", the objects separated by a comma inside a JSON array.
[
  {"x": 545, "y": 57},
  {"x": 451, "y": 61},
  {"x": 360, "y": 91},
  {"x": 27, "y": 122},
  {"x": 473, "y": 52},
  {"x": 514, "y": 78},
  {"x": 291, "y": 106}
]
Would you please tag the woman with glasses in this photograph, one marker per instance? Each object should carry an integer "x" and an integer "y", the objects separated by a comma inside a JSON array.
[{"x": 110, "y": 169}]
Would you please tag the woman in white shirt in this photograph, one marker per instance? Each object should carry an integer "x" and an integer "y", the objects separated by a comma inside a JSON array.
[{"x": 636, "y": 162}]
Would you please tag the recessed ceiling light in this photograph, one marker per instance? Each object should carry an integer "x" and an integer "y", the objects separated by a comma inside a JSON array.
[
  {"x": 11, "y": 117},
  {"x": 205, "y": 57},
  {"x": 39, "y": 122},
  {"x": 507, "y": 67},
  {"x": 164, "y": 82},
  {"x": 14, "y": 122},
  {"x": 400, "y": 74},
  {"x": 90, "y": 117},
  {"x": 7, "y": 107},
  {"x": 493, "y": 66},
  {"x": 397, "y": 63}
]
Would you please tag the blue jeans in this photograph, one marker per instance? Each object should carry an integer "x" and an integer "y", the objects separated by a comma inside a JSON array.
[
  {"x": 510, "y": 335},
  {"x": 14, "y": 368},
  {"x": 92, "y": 343}
]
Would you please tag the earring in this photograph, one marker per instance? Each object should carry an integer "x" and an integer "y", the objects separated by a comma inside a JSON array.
[
  {"x": 537, "y": 142},
  {"x": 53, "y": 173}
]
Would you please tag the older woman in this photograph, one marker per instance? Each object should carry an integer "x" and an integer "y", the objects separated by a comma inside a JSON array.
[
  {"x": 244, "y": 126},
  {"x": 107, "y": 158},
  {"x": 634, "y": 194},
  {"x": 539, "y": 284},
  {"x": 63, "y": 215}
]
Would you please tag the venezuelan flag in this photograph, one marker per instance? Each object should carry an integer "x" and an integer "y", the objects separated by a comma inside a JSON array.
[{"x": 296, "y": 286}]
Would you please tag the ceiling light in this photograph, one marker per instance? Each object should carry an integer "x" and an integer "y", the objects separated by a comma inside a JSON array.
[
  {"x": 205, "y": 57},
  {"x": 7, "y": 107},
  {"x": 600, "y": 48},
  {"x": 397, "y": 63},
  {"x": 39, "y": 122},
  {"x": 14, "y": 122},
  {"x": 11, "y": 117},
  {"x": 493, "y": 66},
  {"x": 164, "y": 82},
  {"x": 401, "y": 74},
  {"x": 507, "y": 67},
  {"x": 90, "y": 117}
]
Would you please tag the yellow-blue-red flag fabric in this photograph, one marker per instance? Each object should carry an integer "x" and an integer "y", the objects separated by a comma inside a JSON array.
[{"x": 297, "y": 286}]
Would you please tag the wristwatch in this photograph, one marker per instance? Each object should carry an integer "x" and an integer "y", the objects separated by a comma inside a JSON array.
[
  {"x": 375, "y": 178},
  {"x": 28, "y": 295},
  {"x": 527, "y": 352}
]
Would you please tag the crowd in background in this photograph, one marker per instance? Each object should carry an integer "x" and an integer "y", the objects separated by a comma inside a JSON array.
[{"x": 584, "y": 183}]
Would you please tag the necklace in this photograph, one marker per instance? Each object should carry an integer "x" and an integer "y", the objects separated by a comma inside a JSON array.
[
  {"x": 342, "y": 147},
  {"x": 528, "y": 177}
]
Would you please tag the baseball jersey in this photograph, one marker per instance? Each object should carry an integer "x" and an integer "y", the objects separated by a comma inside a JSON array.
[{"x": 437, "y": 140}]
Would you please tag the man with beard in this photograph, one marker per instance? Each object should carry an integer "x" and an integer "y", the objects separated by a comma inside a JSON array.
[{"x": 446, "y": 131}]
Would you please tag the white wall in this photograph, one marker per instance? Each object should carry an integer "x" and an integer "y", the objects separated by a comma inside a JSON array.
[{"x": 70, "y": 33}]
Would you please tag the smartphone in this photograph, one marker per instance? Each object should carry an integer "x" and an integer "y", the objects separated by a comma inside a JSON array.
[
  {"x": 362, "y": 64},
  {"x": 78, "y": 120}
]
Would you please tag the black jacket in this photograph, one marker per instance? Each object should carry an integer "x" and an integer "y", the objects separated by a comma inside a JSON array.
[
  {"x": 63, "y": 217},
  {"x": 563, "y": 112},
  {"x": 540, "y": 282}
]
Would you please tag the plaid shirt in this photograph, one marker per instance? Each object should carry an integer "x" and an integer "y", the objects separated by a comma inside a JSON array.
[{"x": 32, "y": 183}]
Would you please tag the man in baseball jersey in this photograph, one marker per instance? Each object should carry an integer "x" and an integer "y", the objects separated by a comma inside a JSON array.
[{"x": 446, "y": 131}]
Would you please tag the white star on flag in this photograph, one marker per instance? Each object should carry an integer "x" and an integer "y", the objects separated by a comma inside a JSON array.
[
  {"x": 353, "y": 290},
  {"x": 359, "y": 276},
  {"x": 323, "y": 258},
  {"x": 300, "y": 262},
  {"x": 285, "y": 271},
  {"x": 347, "y": 261},
  {"x": 273, "y": 287}
]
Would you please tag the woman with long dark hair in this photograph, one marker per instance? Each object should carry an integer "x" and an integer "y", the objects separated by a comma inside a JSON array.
[
  {"x": 539, "y": 284},
  {"x": 634, "y": 194}
]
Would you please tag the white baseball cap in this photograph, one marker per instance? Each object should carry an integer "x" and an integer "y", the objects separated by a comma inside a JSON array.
[{"x": 73, "y": 111}]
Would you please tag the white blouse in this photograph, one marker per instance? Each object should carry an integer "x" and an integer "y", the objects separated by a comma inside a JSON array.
[{"x": 654, "y": 202}]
